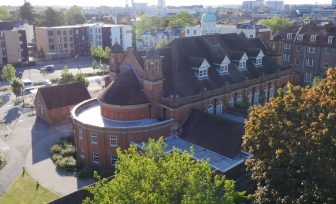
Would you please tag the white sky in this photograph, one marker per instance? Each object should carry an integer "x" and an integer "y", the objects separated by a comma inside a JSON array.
[{"x": 122, "y": 2}]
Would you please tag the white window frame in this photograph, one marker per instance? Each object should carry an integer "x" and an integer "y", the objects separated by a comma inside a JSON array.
[
  {"x": 210, "y": 109},
  {"x": 94, "y": 138},
  {"x": 311, "y": 49},
  {"x": 224, "y": 68},
  {"x": 289, "y": 36},
  {"x": 203, "y": 73},
  {"x": 256, "y": 96},
  {"x": 271, "y": 93},
  {"x": 313, "y": 38},
  {"x": 330, "y": 39},
  {"x": 113, "y": 141},
  {"x": 219, "y": 107},
  {"x": 259, "y": 61},
  {"x": 286, "y": 57},
  {"x": 308, "y": 77},
  {"x": 266, "y": 93},
  {"x": 231, "y": 102},
  {"x": 239, "y": 99},
  {"x": 288, "y": 46},
  {"x": 82, "y": 154},
  {"x": 242, "y": 64},
  {"x": 299, "y": 37},
  {"x": 95, "y": 157},
  {"x": 249, "y": 96},
  {"x": 114, "y": 159},
  {"x": 309, "y": 62},
  {"x": 80, "y": 133}
]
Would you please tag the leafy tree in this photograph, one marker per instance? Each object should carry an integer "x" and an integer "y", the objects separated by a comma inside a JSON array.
[
  {"x": 292, "y": 140},
  {"x": 277, "y": 24},
  {"x": 151, "y": 176},
  {"x": 66, "y": 76},
  {"x": 17, "y": 87},
  {"x": 99, "y": 52},
  {"x": 181, "y": 19},
  {"x": 4, "y": 13},
  {"x": 8, "y": 72},
  {"x": 163, "y": 44},
  {"x": 50, "y": 17},
  {"x": 81, "y": 77},
  {"x": 74, "y": 15},
  {"x": 27, "y": 12},
  {"x": 148, "y": 22}
]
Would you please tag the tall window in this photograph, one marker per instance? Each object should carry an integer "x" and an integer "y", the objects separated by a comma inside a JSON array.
[
  {"x": 114, "y": 159},
  {"x": 82, "y": 154},
  {"x": 309, "y": 62},
  {"x": 311, "y": 49},
  {"x": 231, "y": 102},
  {"x": 256, "y": 96},
  {"x": 308, "y": 77},
  {"x": 330, "y": 39},
  {"x": 299, "y": 37},
  {"x": 313, "y": 38},
  {"x": 286, "y": 57},
  {"x": 289, "y": 36},
  {"x": 287, "y": 46},
  {"x": 113, "y": 141},
  {"x": 95, "y": 158},
  {"x": 210, "y": 109},
  {"x": 239, "y": 99},
  {"x": 80, "y": 133},
  {"x": 219, "y": 107},
  {"x": 202, "y": 73},
  {"x": 271, "y": 93},
  {"x": 94, "y": 138},
  {"x": 258, "y": 61},
  {"x": 266, "y": 93},
  {"x": 249, "y": 96}
]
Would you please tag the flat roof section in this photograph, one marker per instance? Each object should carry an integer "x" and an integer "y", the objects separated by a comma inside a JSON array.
[{"x": 91, "y": 115}]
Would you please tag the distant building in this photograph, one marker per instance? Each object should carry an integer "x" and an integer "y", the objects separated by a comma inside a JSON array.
[
  {"x": 333, "y": 3},
  {"x": 251, "y": 5},
  {"x": 310, "y": 49},
  {"x": 325, "y": 12},
  {"x": 53, "y": 104},
  {"x": 276, "y": 5},
  {"x": 151, "y": 38},
  {"x": 161, "y": 3}
]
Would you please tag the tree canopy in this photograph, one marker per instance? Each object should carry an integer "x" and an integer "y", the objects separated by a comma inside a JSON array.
[
  {"x": 74, "y": 15},
  {"x": 151, "y": 176},
  {"x": 50, "y": 17},
  {"x": 293, "y": 143},
  {"x": 27, "y": 12},
  {"x": 68, "y": 77},
  {"x": 4, "y": 13},
  {"x": 17, "y": 87},
  {"x": 277, "y": 24},
  {"x": 181, "y": 19},
  {"x": 8, "y": 72},
  {"x": 149, "y": 22}
]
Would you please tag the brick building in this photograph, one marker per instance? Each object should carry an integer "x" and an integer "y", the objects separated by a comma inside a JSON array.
[
  {"x": 53, "y": 104},
  {"x": 154, "y": 92},
  {"x": 310, "y": 49}
]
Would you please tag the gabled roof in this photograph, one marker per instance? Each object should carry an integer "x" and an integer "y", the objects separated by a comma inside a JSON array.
[
  {"x": 64, "y": 95},
  {"x": 126, "y": 90},
  {"x": 116, "y": 48},
  {"x": 220, "y": 135}
]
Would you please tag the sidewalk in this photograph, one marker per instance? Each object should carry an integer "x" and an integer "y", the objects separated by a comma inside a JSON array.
[{"x": 45, "y": 172}]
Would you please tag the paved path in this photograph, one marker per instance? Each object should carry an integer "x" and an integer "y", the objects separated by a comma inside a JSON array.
[{"x": 45, "y": 172}]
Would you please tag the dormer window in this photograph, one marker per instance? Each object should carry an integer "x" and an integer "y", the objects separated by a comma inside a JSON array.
[
  {"x": 203, "y": 73},
  {"x": 330, "y": 39},
  {"x": 259, "y": 59},
  {"x": 289, "y": 36},
  {"x": 299, "y": 37},
  {"x": 313, "y": 38},
  {"x": 224, "y": 66},
  {"x": 242, "y": 62}
]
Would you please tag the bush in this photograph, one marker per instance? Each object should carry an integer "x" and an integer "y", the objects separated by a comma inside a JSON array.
[
  {"x": 86, "y": 172},
  {"x": 56, "y": 149},
  {"x": 69, "y": 151},
  {"x": 67, "y": 163},
  {"x": 56, "y": 157},
  {"x": 54, "y": 80}
]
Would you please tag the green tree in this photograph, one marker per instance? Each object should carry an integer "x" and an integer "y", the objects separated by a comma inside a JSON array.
[
  {"x": 66, "y": 76},
  {"x": 17, "y": 87},
  {"x": 8, "y": 72},
  {"x": 151, "y": 176},
  {"x": 4, "y": 13},
  {"x": 181, "y": 19},
  {"x": 163, "y": 44},
  {"x": 293, "y": 143},
  {"x": 82, "y": 77},
  {"x": 50, "y": 17},
  {"x": 148, "y": 22},
  {"x": 277, "y": 24},
  {"x": 74, "y": 15},
  {"x": 27, "y": 12}
]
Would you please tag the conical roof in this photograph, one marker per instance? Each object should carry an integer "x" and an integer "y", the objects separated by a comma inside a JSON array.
[
  {"x": 126, "y": 90},
  {"x": 116, "y": 48}
]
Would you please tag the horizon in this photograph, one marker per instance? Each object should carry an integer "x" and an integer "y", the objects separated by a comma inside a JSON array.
[{"x": 118, "y": 3}]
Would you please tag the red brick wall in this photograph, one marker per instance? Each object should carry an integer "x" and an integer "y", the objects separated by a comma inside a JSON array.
[{"x": 135, "y": 112}]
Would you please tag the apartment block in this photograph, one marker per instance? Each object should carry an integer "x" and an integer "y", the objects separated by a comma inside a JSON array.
[{"x": 13, "y": 47}]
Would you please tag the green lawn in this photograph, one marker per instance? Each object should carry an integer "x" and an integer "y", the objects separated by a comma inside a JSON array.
[{"x": 23, "y": 191}]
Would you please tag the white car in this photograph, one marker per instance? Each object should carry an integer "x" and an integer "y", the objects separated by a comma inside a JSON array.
[
  {"x": 46, "y": 82},
  {"x": 27, "y": 84}
]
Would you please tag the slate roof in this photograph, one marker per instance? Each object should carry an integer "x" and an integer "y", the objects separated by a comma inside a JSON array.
[
  {"x": 126, "y": 90},
  {"x": 152, "y": 54},
  {"x": 116, "y": 48},
  {"x": 220, "y": 135},
  {"x": 180, "y": 77},
  {"x": 64, "y": 95}
]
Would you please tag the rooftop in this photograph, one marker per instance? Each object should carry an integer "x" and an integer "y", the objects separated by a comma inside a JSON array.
[{"x": 91, "y": 115}]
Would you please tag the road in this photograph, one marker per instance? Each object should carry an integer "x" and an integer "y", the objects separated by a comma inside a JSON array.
[{"x": 33, "y": 73}]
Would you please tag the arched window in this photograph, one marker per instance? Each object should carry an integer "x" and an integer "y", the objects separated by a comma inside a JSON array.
[
  {"x": 210, "y": 109},
  {"x": 239, "y": 99},
  {"x": 256, "y": 96},
  {"x": 231, "y": 102},
  {"x": 271, "y": 93},
  {"x": 266, "y": 93},
  {"x": 249, "y": 96},
  {"x": 219, "y": 107}
]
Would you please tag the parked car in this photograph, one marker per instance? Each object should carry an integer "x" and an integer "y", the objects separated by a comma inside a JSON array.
[
  {"x": 27, "y": 84},
  {"x": 18, "y": 74},
  {"x": 48, "y": 68},
  {"x": 46, "y": 82}
]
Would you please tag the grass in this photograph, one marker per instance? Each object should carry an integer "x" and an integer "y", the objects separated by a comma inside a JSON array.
[{"x": 24, "y": 191}]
